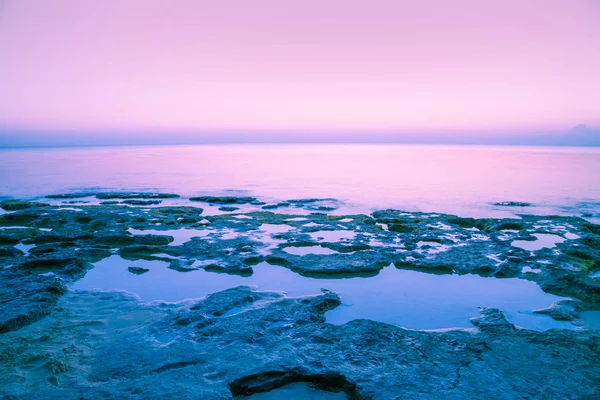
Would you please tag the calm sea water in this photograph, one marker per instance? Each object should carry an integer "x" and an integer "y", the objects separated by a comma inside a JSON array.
[{"x": 456, "y": 179}]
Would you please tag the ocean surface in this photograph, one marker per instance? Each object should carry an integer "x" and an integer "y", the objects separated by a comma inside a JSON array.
[{"x": 463, "y": 180}]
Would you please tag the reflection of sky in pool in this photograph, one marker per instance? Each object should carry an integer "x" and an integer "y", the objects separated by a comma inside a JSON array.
[
  {"x": 305, "y": 250},
  {"x": 332, "y": 236},
  {"x": 543, "y": 240},
  {"x": 407, "y": 298},
  {"x": 180, "y": 236}
]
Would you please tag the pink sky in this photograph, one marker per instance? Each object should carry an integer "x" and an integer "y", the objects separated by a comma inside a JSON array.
[{"x": 332, "y": 65}]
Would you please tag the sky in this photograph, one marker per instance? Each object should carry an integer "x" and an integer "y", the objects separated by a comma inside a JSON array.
[{"x": 102, "y": 70}]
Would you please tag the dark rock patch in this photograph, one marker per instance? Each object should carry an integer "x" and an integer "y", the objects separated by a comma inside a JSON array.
[
  {"x": 76, "y": 195},
  {"x": 16, "y": 205},
  {"x": 512, "y": 204},
  {"x": 269, "y": 380},
  {"x": 135, "y": 195},
  {"x": 228, "y": 208},
  {"x": 227, "y": 200},
  {"x": 137, "y": 270},
  {"x": 136, "y": 202}
]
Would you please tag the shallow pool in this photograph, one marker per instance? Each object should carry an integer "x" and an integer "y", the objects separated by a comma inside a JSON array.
[
  {"x": 180, "y": 236},
  {"x": 543, "y": 240},
  {"x": 411, "y": 299}
]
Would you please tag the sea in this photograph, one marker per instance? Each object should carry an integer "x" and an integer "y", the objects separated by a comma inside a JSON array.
[{"x": 462, "y": 180}]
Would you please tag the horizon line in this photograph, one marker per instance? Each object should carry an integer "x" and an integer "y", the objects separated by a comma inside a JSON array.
[{"x": 294, "y": 143}]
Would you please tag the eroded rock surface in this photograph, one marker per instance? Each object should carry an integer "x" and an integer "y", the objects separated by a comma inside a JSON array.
[
  {"x": 60, "y": 344},
  {"x": 240, "y": 341}
]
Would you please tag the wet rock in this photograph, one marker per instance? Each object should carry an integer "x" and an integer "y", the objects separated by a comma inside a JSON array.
[
  {"x": 18, "y": 218},
  {"x": 227, "y": 200},
  {"x": 432, "y": 269},
  {"x": 322, "y": 208},
  {"x": 367, "y": 262},
  {"x": 316, "y": 204},
  {"x": 9, "y": 252},
  {"x": 512, "y": 204},
  {"x": 228, "y": 208},
  {"x": 305, "y": 202},
  {"x": 235, "y": 269},
  {"x": 75, "y": 195},
  {"x": 242, "y": 341},
  {"x": 142, "y": 252},
  {"x": 182, "y": 266},
  {"x": 562, "y": 310},
  {"x": 27, "y": 297},
  {"x": 492, "y": 320},
  {"x": 118, "y": 239},
  {"x": 14, "y": 236},
  {"x": 15, "y": 205},
  {"x": 136, "y": 202},
  {"x": 71, "y": 267},
  {"x": 282, "y": 204},
  {"x": 400, "y": 228},
  {"x": 137, "y": 270},
  {"x": 135, "y": 195},
  {"x": 573, "y": 284}
]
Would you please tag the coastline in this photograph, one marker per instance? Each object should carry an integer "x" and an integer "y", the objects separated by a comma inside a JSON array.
[{"x": 241, "y": 340}]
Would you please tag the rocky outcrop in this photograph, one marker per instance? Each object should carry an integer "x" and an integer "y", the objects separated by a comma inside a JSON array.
[{"x": 241, "y": 341}]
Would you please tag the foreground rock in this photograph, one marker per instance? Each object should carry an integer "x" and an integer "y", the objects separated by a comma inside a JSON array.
[{"x": 240, "y": 341}]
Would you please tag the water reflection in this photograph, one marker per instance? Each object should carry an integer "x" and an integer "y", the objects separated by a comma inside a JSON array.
[{"x": 407, "y": 298}]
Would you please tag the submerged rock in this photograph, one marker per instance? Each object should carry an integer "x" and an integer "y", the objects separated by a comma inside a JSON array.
[
  {"x": 182, "y": 266},
  {"x": 228, "y": 208},
  {"x": 512, "y": 204},
  {"x": 135, "y": 202},
  {"x": 138, "y": 270},
  {"x": 236, "y": 269},
  {"x": 135, "y": 195},
  {"x": 227, "y": 200},
  {"x": 75, "y": 195}
]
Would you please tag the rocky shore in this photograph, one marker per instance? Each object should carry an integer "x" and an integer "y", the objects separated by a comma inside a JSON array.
[{"x": 57, "y": 343}]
